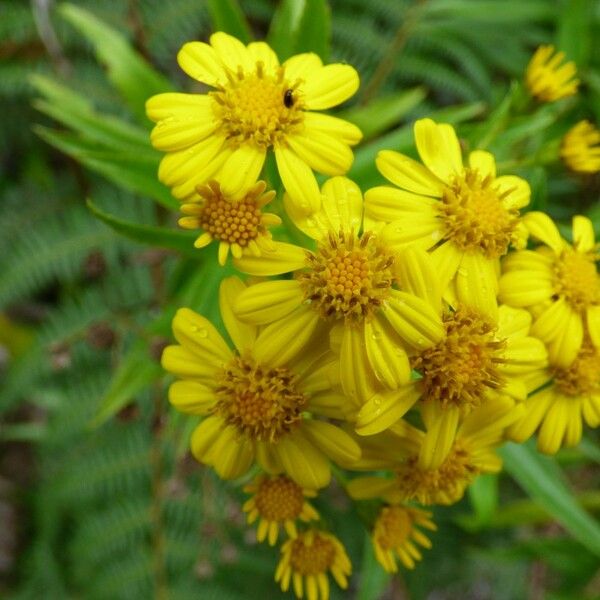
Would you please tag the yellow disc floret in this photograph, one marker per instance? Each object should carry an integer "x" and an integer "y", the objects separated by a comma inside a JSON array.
[
  {"x": 474, "y": 215},
  {"x": 582, "y": 377},
  {"x": 458, "y": 370},
  {"x": 262, "y": 402},
  {"x": 576, "y": 278},
  {"x": 349, "y": 277},
  {"x": 258, "y": 107},
  {"x": 279, "y": 499}
]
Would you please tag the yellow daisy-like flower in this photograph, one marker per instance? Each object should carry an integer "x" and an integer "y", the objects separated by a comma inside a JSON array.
[
  {"x": 306, "y": 561},
  {"x": 376, "y": 299},
  {"x": 557, "y": 410},
  {"x": 395, "y": 533},
  {"x": 560, "y": 282},
  {"x": 278, "y": 501},
  {"x": 580, "y": 148},
  {"x": 471, "y": 454},
  {"x": 478, "y": 361},
  {"x": 238, "y": 225},
  {"x": 256, "y": 104},
  {"x": 256, "y": 405},
  {"x": 547, "y": 78},
  {"x": 465, "y": 216}
]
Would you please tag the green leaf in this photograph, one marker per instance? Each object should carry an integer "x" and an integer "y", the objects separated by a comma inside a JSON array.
[
  {"x": 373, "y": 578},
  {"x": 227, "y": 16},
  {"x": 148, "y": 234},
  {"x": 574, "y": 35},
  {"x": 134, "y": 171},
  {"x": 483, "y": 493},
  {"x": 544, "y": 482},
  {"x": 131, "y": 75},
  {"x": 301, "y": 26},
  {"x": 383, "y": 113},
  {"x": 136, "y": 372}
]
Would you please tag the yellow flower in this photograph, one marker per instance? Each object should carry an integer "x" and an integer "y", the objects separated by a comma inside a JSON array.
[
  {"x": 560, "y": 282},
  {"x": 256, "y": 104},
  {"x": 465, "y": 215},
  {"x": 549, "y": 80},
  {"x": 557, "y": 410},
  {"x": 353, "y": 283},
  {"x": 238, "y": 225},
  {"x": 256, "y": 407},
  {"x": 580, "y": 148},
  {"x": 278, "y": 501},
  {"x": 306, "y": 560},
  {"x": 395, "y": 533},
  {"x": 479, "y": 361},
  {"x": 398, "y": 450}
]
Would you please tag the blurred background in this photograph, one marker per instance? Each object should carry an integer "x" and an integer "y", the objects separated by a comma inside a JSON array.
[{"x": 98, "y": 496}]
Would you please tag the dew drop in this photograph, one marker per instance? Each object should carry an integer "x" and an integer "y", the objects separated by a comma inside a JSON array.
[{"x": 203, "y": 333}]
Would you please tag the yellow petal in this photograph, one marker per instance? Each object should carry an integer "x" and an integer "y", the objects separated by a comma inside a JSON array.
[
  {"x": 517, "y": 190},
  {"x": 322, "y": 152},
  {"x": 179, "y": 106},
  {"x": 301, "y": 66},
  {"x": 385, "y": 203},
  {"x": 364, "y": 488},
  {"x": 329, "y": 86},
  {"x": 232, "y": 455},
  {"x": 268, "y": 301},
  {"x": 583, "y": 234},
  {"x": 175, "y": 133},
  {"x": 417, "y": 275},
  {"x": 593, "y": 323},
  {"x": 355, "y": 374},
  {"x": 524, "y": 354},
  {"x": 240, "y": 171},
  {"x": 283, "y": 258},
  {"x": 477, "y": 284},
  {"x": 438, "y": 148},
  {"x": 553, "y": 428},
  {"x": 183, "y": 363},
  {"x": 205, "y": 436},
  {"x": 191, "y": 397},
  {"x": 408, "y": 174},
  {"x": 542, "y": 227},
  {"x": 200, "y": 61},
  {"x": 306, "y": 465},
  {"x": 483, "y": 162},
  {"x": 420, "y": 230},
  {"x": 198, "y": 335},
  {"x": 525, "y": 288},
  {"x": 343, "y": 130},
  {"x": 442, "y": 424},
  {"x": 242, "y": 334},
  {"x": 536, "y": 407},
  {"x": 446, "y": 259},
  {"x": 414, "y": 320},
  {"x": 513, "y": 322},
  {"x": 298, "y": 180},
  {"x": 386, "y": 353},
  {"x": 262, "y": 52},
  {"x": 332, "y": 441},
  {"x": 385, "y": 409},
  {"x": 231, "y": 52},
  {"x": 282, "y": 340}
]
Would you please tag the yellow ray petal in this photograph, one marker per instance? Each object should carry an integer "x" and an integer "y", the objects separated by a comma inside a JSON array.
[
  {"x": 283, "y": 258},
  {"x": 446, "y": 259},
  {"x": 205, "y": 436},
  {"x": 477, "y": 284},
  {"x": 306, "y": 465},
  {"x": 301, "y": 66},
  {"x": 525, "y": 288},
  {"x": 242, "y": 334},
  {"x": 417, "y": 275},
  {"x": 438, "y": 148},
  {"x": 384, "y": 409},
  {"x": 231, "y": 52},
  {"x": 519, "y": 192},
  {"x": 329, "y": 86},
  {"x": 201, "y": 62},
  {"x": 583, "y": 234},
  {"x": 355, "y": 375},
  {"x": 298, "y": 180},
  {"x": 442, "y": 424},
  {"x": 322, "y": 152},
  {"x": 344, "y": 130},
  {"x": 240, "y": 171},
  {"x": 483, "y": 162},
  {"x": 332, "y": 441},
  {"x": 262, "y": 52},
  {"x": 268, "y": 301},
  {"x": 420, "y": 230},
  {"x": 408, "y": 174},
  {"x": 232, "y": 454},
  {"x": 184, "y": 363},
  {"x": 542, "y": 227},
  {"x": 191, "y": 397},
  {"x": 385, "y": 203}
]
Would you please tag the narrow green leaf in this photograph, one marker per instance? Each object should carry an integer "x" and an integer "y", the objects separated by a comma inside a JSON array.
[
  {"x": 383, "y": 113},
  {"x": 574, "y": 35},
  {"x": 540, "y": 477},
  {"x": 227, "y": 16},
  {"x": 373, "y": 578},
  {"x": 148, "y": 234},
  {"x": 135, "y": 171},
  {"x": 136, "y": 372},
  {"x": 301, "y": 26},
  {"x": 483, "y": 493},
  {"x": 131, "y": 75}
]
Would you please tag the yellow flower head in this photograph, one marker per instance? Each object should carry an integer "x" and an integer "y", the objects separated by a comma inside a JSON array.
[
  {"x": 478, "y": 362},
  {"x": 547, "y": 78},
  {"x": 465, "y": 216},
  {"x": 278, "y": 501},
  {"x": 353, "y": 283},
  {"x": 560, "y": 282},
  {"x": 238, "y": 225},
  {"x": 558, "y": 410},
  {"x": 256, "y": 104},
  {"x": 306, "y": 561},
  {"x": 471, "y": 453},
  {"x": 396, "y": 533},
  {"x": 257, "y": 406},
  {"x": 580, "y": 148}
]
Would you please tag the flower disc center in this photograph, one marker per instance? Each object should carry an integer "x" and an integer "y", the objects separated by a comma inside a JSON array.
[
  {"x": 311, "y": 557},
  {"x": 582, "y": 377},
  {"x": 474, "y": 215},
  {"x": 262, "y": 402},
  {"x": 394, "y": 527},
  {"x": 258, "y": 107},
  {"x": 576, "y": 278},
  {"x": 348, "y": 277},
  {"x": 279, "y": 499}
]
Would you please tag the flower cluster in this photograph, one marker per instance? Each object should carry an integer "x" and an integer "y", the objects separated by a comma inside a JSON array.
[{"x": 415, "y": 329}]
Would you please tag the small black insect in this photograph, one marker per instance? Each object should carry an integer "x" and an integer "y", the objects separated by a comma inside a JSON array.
[{"x": 288, "y": 99}]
